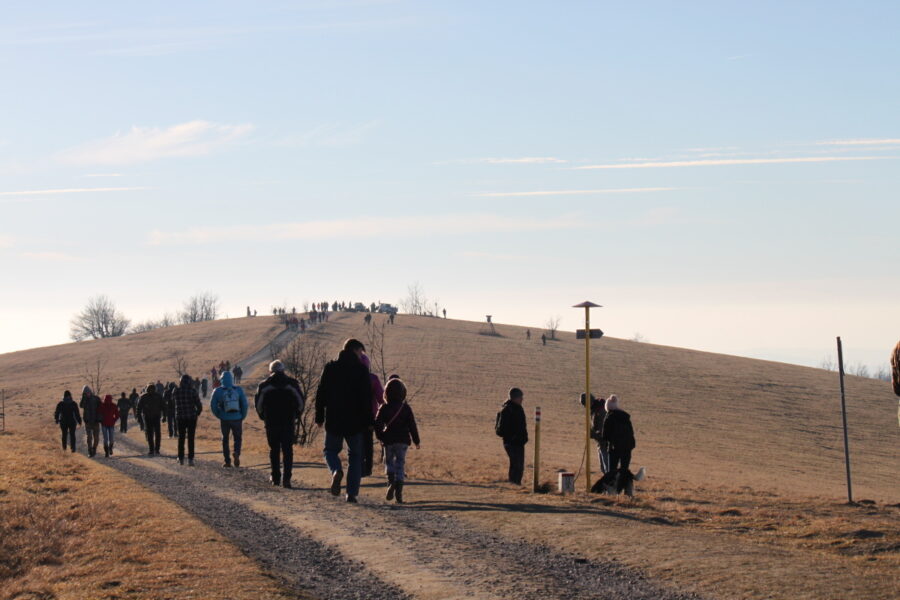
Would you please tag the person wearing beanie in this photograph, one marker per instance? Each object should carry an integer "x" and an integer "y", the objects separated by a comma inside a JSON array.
[
  {"x": 279, "y": 403},
  {"x": 511, "y": 425},
  {"x": 619, "y": 434},
  {"x": 395, "y": 426},
  {"x": 187, "y": 409},
  {"x": 344, "y": 408},
  {"x": 109, "y": 414},
  {"x": 377, "y": 400},
  {"x": 68, "y": 418},
  {"x": 90, "y": 412},
  {"x": 150, "y": 408}
]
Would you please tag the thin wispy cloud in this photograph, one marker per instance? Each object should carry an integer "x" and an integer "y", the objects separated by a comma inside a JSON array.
[
  {"x": 50, "y": 256},
  {"x": 368, "y": 227},
  {"x": 861, "y": 142},
  {"x": 495, "y": 256},
  {"x": 333, "y": 135},
  {"x": 521, "y": 160},
  {"x": 143, "y": 144},
  {"x": 734, "y": 161},
  {"x": 62, "y": 191},
  {"x": 637, "y": 190},
  {"x": 104, "y": 175}
]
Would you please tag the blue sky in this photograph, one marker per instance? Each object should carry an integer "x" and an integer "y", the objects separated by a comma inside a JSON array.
[{"x": 719, "y": 175}]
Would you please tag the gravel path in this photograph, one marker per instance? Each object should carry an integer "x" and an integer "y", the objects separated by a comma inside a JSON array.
[{"x": 321, "y": 546}]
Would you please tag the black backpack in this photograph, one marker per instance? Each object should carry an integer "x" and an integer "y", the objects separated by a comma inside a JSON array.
[{"x": 500, "y": 425}]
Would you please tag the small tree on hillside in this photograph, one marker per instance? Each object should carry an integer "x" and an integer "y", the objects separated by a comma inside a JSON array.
[
  {"x": 415, "y": 302},
  {"x": 552, "y": 326},
  {"x": 179, "y": 362},
  {"x": 95, "y": 373},
  {"x": 99, "y": 319},
  {"x": 202, "y": 307},
  {"x": 305, "y": 358}
]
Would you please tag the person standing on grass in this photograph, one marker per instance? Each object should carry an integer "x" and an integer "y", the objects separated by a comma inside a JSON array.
[
  {"x": 344, "y": 407},
  {"x": 134, "y": 398},
  {"x": 229, "y": 405},
  {"x": 168, "y": 416},
  {"x": 512, "y": 427},
  {"x": 150, "y": 409},
  {"x": 187, "y": 408},
  {"x": 598, "y": 415},
  {"x": 377, "y": 400},
  {"x": 204, "y": 386},
  {"x": 395, "y": 426},
  {"x": 124, "y": 406},
  {"x": 238, "y": 374},
  {"x": 279, "y": 403},
  {"x": 90, "y": 413},
  {"x": 109, "y": 414},
  {"x": 619, "y": 434},
  {"x": 68, "y": 417}
]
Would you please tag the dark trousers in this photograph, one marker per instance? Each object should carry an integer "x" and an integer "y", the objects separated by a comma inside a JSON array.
[
  {"x": 281, "y": 446},
  {"x": 68, "y": 435},
  {"x": 236, "y": 429},
  {"x": 516, "y": 453},
  {"x": 123, "y": 422},
  {"x": 619, "y": 460},
  {"x": 368, "y": 452},
  {"x": 151, "y": 428},
  {"x": 170, "y": 419},
  {"x": 186, "y": 429}
]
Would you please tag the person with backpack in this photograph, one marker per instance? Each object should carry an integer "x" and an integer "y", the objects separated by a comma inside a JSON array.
[
  {"x": 109, "y": 414},
  {"x": 229, "y": 405},
  {"x": 279, "y": 403},
  {"x": 619, "y": 434},
  {"x": 187, "y": 409},
  {"x": 395, "y": 426},
  {"x": 124, "y": 406},
  {"x": 344, "y": 408},
  {"x": 68, "y": 417},
  {"x": 150, "y": 409},
  {"x": 598, "y": 414},
  {"x": 90, "y": 413},
  {"x": 511, "y": 425},
  {"x": 168, "y": 416}
]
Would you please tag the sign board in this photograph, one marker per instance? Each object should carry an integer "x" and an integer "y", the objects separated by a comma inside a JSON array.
[{"x": 596, "y": 334}]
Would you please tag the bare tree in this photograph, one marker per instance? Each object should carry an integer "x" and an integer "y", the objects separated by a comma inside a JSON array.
[
  {"x": 638, "y": 337},
  {"x": 375, "y": 348},
  {"x": 883, "y": 373},
  {"x": 201, "y": 307},
  {"x": 859, "y": 369},
  {"x": 552, "y": 326},
  {"x": 99, "y": 319},
  {"x": 95, "y": 373},
  {"x": 179, "y": 362},
  {"x": 415, "y": 302},
  {"x": 828, "y": 363},
  {"x": 305, "y": 358}
]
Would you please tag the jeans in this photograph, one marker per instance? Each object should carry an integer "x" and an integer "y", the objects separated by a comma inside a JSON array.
[
  {"x": 170, "y": 420},
  {"x": 395, "y": 460},
  {"x": 151, "y": 428},
  {"x": 108, "y": 433},
  {"x": 68, "y": 435},
  {"x": 236, "y": 428},
  {"x": 281, "y": 445},
  {"x": 92, "y": 431},
  {"x": 186, "y": 429},
  {"x": 123, "y": 422},
  {"x": 603, "y": 455},
  {"x": 619, "y": 460},
  {"x": 334, "y": 443},
  {"x": 516, "y": 453},
  {"x": 368, "y": 453}
]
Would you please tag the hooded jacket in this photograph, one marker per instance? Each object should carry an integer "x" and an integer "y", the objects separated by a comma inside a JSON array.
[
  {"x": 124, "y": 405},
  {"x": 396, "y": 423},
  {"x": 67, "y": 413},
  {"x": 109, "y": 412},
  {"x": 169, "y": 400},
  {"x": 187, "y": 400},
  {"x": 512, "y": 425},
  {"x": 90, "y": 406},
  {"x": 150, "y": 405},
  {"x": 135, "y": 398},
  {"x": 344, "y": 397},
  {"x": 617, "y": 431},
  {"x": 217, "y": 403},
  {"x": 278, "y": 400}
]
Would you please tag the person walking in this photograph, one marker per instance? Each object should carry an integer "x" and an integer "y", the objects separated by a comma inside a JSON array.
[
  {"x": 238, "y": 374},
  {"x": 109, "y": 414},
  {"x": 598, "y": 415},
  {"x": 512, "y": 427},
  {"x": 168, "y": 416},
  {"x": 68, "y": 417},
  {"x": 344, "y": 408},
  {"x": 150, "y": 409},
  {"x": 279, "y": 403},
  {"x": 160, "y": 388},
  {"x": 619, "y": 434},
  {"x": 395, "y": 426},
  {"x": 204, "y": 386},
  {"x": 124, "y": 406},
  {"x": 187, "y": 408},
  {"x": 377, "y": 401},
  {"x": 229, "y": 405},
  {"x": 90, "y": 414},
  {"x": 895, "y": 374},
  {"x": 134, "y": 397}
]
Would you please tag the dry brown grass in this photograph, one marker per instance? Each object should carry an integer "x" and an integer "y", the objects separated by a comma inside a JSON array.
[{"x": 70, "y": 528}]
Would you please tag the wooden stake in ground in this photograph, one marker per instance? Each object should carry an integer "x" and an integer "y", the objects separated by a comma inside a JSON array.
[
  {"x": 840, "y": 352},
  {"x": 536, "y": 478}
]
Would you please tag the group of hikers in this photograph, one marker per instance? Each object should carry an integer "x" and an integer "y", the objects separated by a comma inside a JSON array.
[{"x": 350, "y": 404}]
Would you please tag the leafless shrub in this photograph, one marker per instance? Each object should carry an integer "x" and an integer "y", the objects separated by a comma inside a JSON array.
[
  {"x": 415, "y": 302},
  {"x": 202, "y": 307},
  {"x": 552, "y": 326},
  {"x": 639, "y": 337},
  {"x": 828, "y": 363},
  {"x": 99, "y": 319},
  {"x": 179, "y": 362},
  {"x": 95, "y": 373},
  {"x": 305, "y": 358}
]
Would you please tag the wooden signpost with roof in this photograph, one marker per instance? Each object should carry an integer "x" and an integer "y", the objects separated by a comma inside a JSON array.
[{"x": 587, "y": 334}]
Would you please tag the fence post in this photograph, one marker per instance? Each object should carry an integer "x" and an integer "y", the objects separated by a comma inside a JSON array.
[
  {"x": 840, "y": 351},
  {"x": 536, "y": 476}
]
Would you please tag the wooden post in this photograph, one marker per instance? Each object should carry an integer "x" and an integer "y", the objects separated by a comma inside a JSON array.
[
  {"x": 840, "y": 351},
  {"x": 536, "y": 477}
]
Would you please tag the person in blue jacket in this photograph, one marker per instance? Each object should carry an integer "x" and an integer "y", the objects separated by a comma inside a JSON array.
[{"x": 229, "y": 405}]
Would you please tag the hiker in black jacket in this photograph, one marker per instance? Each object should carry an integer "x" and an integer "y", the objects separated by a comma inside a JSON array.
[
  {"x": 90, "y": 413},
  {"x": 511, "y": 426},
  {"x": 395, "y": 426},
  {"x": 68, "y": 417},
  {"x": 279, "y": 403},
  {"x": 124, "y": 406},
  {"x": 187, "y": 408},
  {"x": 150, "y": 408},
  {"x": 344, "y": 407},
  {"x": 598, "y": 415},
  {"x": 619, "y": 434},
  {"x": 169, "y": 408}
]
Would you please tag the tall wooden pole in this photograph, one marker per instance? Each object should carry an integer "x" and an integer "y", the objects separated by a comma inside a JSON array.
[
  {"x": 536, "y": 476},
  {"x": 840, "y": 351},
  {"x": 587, "y": 399}
]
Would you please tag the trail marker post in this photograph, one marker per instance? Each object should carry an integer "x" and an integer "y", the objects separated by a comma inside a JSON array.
[
  {"x": 536, "y": 476},
  {"x": 2, "y": 410},
  {"x": 840, "y": 351},
  {"x": 588, "y": 334}
]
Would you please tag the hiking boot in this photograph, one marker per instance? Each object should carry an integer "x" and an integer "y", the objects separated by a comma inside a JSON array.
[
  {"x": 237, "y": 461},
  {"x": 399, "y": 492},
  {"x": 352, "y": 500},
  {"x": 390, "y": 477},
  {"x": 227, "y": 464},
  {"x": 287, "y": 485},
  {"x": 180, "y": 461},
  {"x": 336, "y": 479},
  {"x": 105, "y": 451},
  {"x": 276, "y": 481},
  {"x": 150, "y": 453},
  {"x": 110, "y": 449},
  {"x": 190, "y": 462},
  {"x": 391, "y": 490}
]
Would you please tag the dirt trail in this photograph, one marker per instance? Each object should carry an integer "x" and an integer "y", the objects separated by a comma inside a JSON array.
[
  {"x": 323, "y": 546},
  {"x": 264, "y": 354}
]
